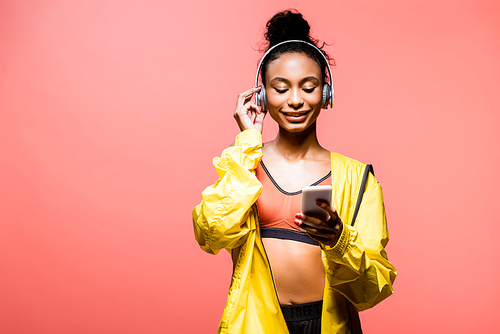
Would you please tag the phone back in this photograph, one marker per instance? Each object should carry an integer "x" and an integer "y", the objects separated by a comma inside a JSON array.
[{"x": 310, "y": 195}]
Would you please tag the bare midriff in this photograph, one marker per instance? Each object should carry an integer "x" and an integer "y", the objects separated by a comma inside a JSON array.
[
  {"x": 297, "y": 269},
  {"x": 297, "y": 266}
]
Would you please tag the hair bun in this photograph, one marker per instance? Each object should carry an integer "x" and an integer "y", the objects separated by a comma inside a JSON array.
[{"x": 287, "y": 25}]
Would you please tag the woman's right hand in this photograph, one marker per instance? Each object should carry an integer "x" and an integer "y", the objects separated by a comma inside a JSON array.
[{"x": 247, "y": 114}]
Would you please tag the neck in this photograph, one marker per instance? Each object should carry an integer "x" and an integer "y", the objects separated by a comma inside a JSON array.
[{"x": 297, "y": 145}]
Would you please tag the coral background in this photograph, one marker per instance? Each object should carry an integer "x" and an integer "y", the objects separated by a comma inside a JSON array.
[{"x": 110, "y": 114}]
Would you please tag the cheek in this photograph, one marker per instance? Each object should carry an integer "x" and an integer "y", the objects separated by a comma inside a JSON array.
[
  {"x": 272, "y": 112},
  {"x": 315, "y": 98},
  {"x": 275, "y": 100}
]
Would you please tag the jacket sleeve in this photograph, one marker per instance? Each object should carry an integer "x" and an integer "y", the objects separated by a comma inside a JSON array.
[
  {"x": 220, "y": 219},
  {"x": 357, "y": 266}
]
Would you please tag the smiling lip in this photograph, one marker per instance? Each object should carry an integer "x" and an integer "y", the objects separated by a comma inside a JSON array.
[
  {"x": 296, "y": 113},
  {"x": 296, "y": 117}
]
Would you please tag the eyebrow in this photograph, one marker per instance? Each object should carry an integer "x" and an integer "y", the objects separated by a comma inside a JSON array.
[
  {"x": 280, "y": 79},
  {"x": 309, "y": 78}
]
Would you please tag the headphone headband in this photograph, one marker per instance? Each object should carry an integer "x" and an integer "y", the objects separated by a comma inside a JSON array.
[{"x": 304, "y": 42}]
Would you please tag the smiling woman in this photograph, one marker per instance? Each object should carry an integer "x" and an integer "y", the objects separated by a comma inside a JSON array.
[
  {"x": 295, "y": 98},
  {"x": 293, "y": 273}
]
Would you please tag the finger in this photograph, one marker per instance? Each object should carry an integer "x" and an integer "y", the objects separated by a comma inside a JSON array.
[
  {"x": 320, "y": 231},
  {"x": 259, "y": 119},
  {"x": 252, "y": 106},
  {"x": 253, "y": 116},
  {"x": 313, "y": 221},
  {"x": 245, "y": 116},
  {"x": 315, "y": 231},
  {"x": 334, "y": 217},
  {"x": 252, "y": 110},
  {"x": 323, "y": 232},
  {"x": 244, "y": 97},
  {"x": 247, "y": 108},
  {"x": 306, "y": 222},
  {"x": 326, "y": 239},
  {"x": 261, "y": 113}
]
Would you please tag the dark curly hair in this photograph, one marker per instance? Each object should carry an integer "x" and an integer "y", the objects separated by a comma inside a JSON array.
[{"x": 287, "y": 25}]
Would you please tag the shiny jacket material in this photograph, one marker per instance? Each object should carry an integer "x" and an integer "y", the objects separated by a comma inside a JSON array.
[{"x": 358, "y": 272}]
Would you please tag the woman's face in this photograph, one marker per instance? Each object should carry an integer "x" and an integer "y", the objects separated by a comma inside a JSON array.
[{"x": 294, "y": 90}]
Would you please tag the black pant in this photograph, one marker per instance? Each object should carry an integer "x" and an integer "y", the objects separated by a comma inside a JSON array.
[{"x": 303, "y": 318}]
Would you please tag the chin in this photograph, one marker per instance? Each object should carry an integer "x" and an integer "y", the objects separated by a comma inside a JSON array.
[{"x": 297, "y": 127}]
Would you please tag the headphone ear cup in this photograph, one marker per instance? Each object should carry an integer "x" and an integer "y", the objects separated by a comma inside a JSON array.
[
  {"x": 260, "y": 98},
  {"x": 327, "y": 91}
]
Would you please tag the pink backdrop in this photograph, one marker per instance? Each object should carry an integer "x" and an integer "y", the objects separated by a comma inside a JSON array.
[{"x": 110, "y": 114}]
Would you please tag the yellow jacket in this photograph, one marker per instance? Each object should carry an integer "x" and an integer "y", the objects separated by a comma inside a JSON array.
[{"x": 358, "y": 273}]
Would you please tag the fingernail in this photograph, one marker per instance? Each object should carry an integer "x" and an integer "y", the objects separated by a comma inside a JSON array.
[
  {"x": 318, "y": 203},
  {"x": 296, "y": 221},
  {"x": 298, "y": 215}
]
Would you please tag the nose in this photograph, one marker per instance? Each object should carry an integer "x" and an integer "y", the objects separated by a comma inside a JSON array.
[{"x": 295, "y": 99}]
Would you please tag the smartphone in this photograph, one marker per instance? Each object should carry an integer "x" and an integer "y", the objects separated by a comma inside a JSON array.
[{"x": 310, "y": 195}]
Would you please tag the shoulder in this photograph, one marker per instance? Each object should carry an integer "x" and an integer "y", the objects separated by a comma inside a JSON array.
[
  {"x": 348, "y": 170},
  {"x": 341, "y": 161}
]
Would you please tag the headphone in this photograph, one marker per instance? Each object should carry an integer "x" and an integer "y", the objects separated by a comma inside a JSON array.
[{"x": 327, "y": 99}]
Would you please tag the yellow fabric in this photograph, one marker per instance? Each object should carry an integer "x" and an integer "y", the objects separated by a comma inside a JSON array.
[{"x": 358, "y": 273}]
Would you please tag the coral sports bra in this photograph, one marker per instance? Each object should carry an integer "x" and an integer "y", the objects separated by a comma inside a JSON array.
[{"x": 277, "y": 208}]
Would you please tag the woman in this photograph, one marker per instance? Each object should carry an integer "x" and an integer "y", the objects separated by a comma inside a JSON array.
[{"x": 323, "y": 271}]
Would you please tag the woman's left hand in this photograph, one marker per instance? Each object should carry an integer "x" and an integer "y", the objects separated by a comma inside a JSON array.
[{"x": 325, "y": 232}]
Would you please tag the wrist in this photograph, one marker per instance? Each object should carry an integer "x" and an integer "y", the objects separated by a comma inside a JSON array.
[{"x": 333, "y": 243}]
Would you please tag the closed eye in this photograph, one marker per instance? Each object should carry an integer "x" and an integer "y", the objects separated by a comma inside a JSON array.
[
  {"x": 280, "y": 91},
  {"x": 309, "y": 90}
]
